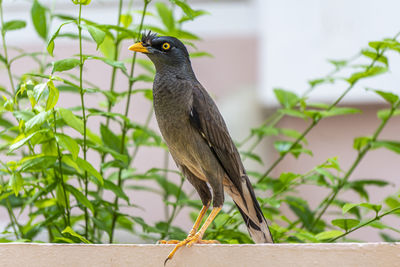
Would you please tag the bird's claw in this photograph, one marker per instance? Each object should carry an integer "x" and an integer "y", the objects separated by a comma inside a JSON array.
[
  {"x": 163, "y": 242},
  {"x": 188, "y": 242}
]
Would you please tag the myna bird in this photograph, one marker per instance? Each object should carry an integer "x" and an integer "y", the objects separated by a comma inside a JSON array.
[{"x": 198, "y": 139}]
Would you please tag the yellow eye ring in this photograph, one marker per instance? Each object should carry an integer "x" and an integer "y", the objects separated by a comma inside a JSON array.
[{"x": 166, "y": 46}]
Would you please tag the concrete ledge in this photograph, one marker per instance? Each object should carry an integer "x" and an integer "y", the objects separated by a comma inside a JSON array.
[{"x": 341, "y": 254}]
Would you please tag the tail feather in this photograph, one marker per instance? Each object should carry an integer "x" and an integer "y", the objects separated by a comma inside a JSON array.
[{"x": 251, "y": 212}]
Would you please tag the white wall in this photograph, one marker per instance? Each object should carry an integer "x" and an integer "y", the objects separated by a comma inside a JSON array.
[{"x": 297, "y": 38}]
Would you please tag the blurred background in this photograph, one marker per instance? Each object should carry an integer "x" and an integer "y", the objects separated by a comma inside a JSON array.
[{"x": 259, "y": 45}]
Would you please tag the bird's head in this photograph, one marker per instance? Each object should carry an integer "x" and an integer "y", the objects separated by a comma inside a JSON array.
[{"x": 164, "y": 51}]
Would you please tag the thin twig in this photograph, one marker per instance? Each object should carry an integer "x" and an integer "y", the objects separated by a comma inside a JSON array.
[{"x": 82, "y": 94}]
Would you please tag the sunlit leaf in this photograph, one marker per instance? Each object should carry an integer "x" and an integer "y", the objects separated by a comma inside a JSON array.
[
  {"x": 328, "y": 235},
  {"x": 86, "y": 166},
  {"x": 68, "y": 143},
  {"x": 39, "y": 19},
  {"x": 345, "y": 224},
  {"x": 81, "y": 198},
  {"x": 97, "y": 34},
  {"x": 65, "y": 64},
  {"x": 13, "y": 25},
  {"x": 68, "y": 230},
  {"x": 286, "y": 98}
]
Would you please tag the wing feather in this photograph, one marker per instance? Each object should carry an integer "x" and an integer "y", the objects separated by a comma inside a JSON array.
[{"x": 206, "y": 118}]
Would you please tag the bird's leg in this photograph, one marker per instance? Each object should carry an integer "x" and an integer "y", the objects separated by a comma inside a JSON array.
[
  {"x": 197, "y": 237},
  {"x": 194, "y": 228}
]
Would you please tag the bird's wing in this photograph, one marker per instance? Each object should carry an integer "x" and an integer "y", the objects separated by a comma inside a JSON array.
[{"x": 206, "y": 118}]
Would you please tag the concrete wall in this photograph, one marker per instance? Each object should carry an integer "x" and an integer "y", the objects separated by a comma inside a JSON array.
[{"x": 285, "y": 255}]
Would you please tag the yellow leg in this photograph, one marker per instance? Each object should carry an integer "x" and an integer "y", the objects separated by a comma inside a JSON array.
[
  {"x": 194, "y": 228},
  {"x": 196, "y": 238}
]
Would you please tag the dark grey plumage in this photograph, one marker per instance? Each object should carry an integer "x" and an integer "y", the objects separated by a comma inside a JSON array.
[{"x": 197, "y": 136}]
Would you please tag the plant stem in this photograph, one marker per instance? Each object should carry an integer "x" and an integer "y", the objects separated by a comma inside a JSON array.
[
  {"x": 113, "y": 74},
  {"x": 377, "y": 218},
  {"x": 360, "y": 156},
  {"x": 7, "y": 63},
  {"x": 174, "y": 210},
  {"x": 82, "y": 93},
  {"x": 59, "y": 155},
  {"x": 13, "y": 220},
  {"x": 125, "y": 126}
]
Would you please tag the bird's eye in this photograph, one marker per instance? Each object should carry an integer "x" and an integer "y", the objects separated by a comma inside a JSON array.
[{"x": 166, "y": 46}]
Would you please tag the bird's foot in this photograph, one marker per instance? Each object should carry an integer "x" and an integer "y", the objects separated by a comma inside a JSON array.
[
  {"x": 188, "y": 242},
  {"x": 168, "y": 242}
]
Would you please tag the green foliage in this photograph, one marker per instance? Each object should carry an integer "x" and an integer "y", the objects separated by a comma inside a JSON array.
[{"x": 52, "y": 174}]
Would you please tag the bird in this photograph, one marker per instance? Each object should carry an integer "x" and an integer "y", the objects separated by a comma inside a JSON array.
[{"x": 198, "y": 139}]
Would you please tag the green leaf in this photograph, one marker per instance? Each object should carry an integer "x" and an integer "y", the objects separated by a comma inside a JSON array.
[
  {"x": 67, "y": 159},
  {"x": 65, "y": 64},
  {"x": 370, "y": 206},
  {"x": 375, "y": 56},
  {"x": 292, "y": 133},
  {"x": 79, "y": 197},
  {"x": 328, "y": 235},
  {"x": 97, "y": 34},
  {"x": 255, "y": 157},
  {"x": 294, "y": 113},
  {"x": 185, "y": 8},
  {"x": 390, "y": 145},
  {"x": 286, "y": 98},
  {"x": 68, "y": 143},
  {"x": 52, "y": 99},
  {"x": 389, "y": 97},
  {"x": 338, "y": 63},
  {"x": 345, "y": 224},
  {"x": 126, "y": 20},
  {"x": 264, "y": 130},
  {"x": 392, "y": 202},
  {"x": 39, "y": 19},
  {"x": 16, "y": 182},
  {"x": 20, "y": 142},
  {"x": 336, "y": 111},
  {"x": 81, "y": 2},
  {"x": 145, "y": 136},
  {"x": 166, "y": 16},
  {"x": 348, "y": 206},
  {"x": 116, "y": 189},
  {"x": 86, "y": 166},
  {"x": 23, "y": 114},
  {"x": 107, "y": 47},
  {"x": 286, "y": 146},
  {"x": 71, "y": 120},
  {"x": 302, "y": 210},
  {"x": 369, "y": 72},
  {"x": 200, "y": 54},
  {"x": 38, "y": 162},
  {"x": 13, "y": 25},
  {"x": 50, "y": 44},
  {"x": 384, "y": 113},
  {"x": 287, "y": 177},
  {"x": 110, "y": 139},
  {"x": 37, "y": 120},
  {"x": 385, "y": 44},
  {"x": 69, "y": 230},
  {"x": 359, "y": 143}
]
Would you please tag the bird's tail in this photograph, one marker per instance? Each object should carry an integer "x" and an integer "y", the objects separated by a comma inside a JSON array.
[{"x": 251, "y": 212}]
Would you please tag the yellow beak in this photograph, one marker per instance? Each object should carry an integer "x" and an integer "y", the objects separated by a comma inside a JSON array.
[{"x": 138, "y": 47}]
